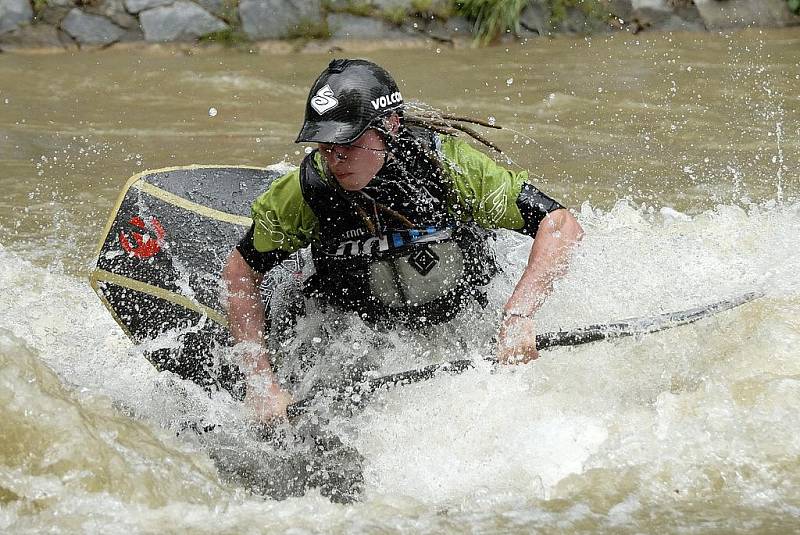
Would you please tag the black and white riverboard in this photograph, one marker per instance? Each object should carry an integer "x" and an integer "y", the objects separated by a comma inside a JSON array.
[
  {"x": 163, "y": 250},
  {"x": 159, "y": 262}
]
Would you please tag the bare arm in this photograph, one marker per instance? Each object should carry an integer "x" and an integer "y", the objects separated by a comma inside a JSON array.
[
  {"x": 558, "y": 232},
  {"x": 244, "y": 305},
  {"x": 246, "y": 322}
]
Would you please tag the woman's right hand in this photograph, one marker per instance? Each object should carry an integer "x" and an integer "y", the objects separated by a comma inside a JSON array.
[{"x": 266, "y": 400}]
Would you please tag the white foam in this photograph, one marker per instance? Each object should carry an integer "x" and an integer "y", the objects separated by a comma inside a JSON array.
[{"x": 660, "y": 412}]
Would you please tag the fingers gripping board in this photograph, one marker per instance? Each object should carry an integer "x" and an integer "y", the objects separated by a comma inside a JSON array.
[{"x": 162, "y": 253}]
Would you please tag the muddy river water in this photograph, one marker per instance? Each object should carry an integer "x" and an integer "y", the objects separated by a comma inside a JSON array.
[{"x": 679, "y": 155}]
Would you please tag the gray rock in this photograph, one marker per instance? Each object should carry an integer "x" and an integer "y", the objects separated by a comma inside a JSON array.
[
  {"x": 181, "y": 21},
  {"x": 666, "y": 21},
  {"x": 688, "y": 12},
  {"x": 33, "y": 35},
  {"x": 344, "y": 26},
  {"x": 445, "y": 31},
  {"x": 275, "y": 19},
  {"x": 578, "y": 21},
  {"x": 621, "y": 9},
  {"x": 66, "y": 40},
  {"x": 339, "y": 5},
  {"x": 535, "y": 18},
  {"x": 132, "y": 35},
  {"x": 52, "y": 15},
  {"x": 88, "y": 29},
  {"x": 14, "y": 13},
  {"x": 215, "y": 7},
  {"x": 135, "y": 6},
  {"x": 651, "y": 4},
  {"x": 458, "y": 26},
  {"x": 742, "y": 13},
  {"x": 435, "y": 30},
  {"x": 113, "y": 10}
]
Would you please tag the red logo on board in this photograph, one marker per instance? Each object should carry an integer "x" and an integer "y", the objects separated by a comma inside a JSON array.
[{"x": 146, "y": 245}]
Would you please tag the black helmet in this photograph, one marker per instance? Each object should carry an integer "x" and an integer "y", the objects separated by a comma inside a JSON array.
[{"x": 345, "y": 100}]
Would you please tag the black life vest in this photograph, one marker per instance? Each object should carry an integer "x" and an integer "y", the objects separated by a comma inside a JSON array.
[{"x": 420, "y": 275}]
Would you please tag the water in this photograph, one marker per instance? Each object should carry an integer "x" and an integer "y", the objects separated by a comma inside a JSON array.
[{"x": 679, "y": 156}]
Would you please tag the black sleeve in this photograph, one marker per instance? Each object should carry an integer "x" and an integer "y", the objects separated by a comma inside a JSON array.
[
  {"x": 534, "y": 206},
  {"x": 260, "y": 262}
]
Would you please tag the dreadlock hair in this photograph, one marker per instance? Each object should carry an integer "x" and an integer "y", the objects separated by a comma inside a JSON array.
[
  {"x": 418, "y": 164},
  {"x": 444, "y": 123}
]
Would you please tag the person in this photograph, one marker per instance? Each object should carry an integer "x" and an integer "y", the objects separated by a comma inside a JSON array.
[{"x": 395, "y": 210}]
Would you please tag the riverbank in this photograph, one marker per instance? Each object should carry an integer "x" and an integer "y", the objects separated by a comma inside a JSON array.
[{"x": 323, "y": 25}]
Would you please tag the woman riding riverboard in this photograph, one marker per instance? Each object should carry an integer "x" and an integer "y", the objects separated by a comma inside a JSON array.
[{"x": 395, "y": 216}]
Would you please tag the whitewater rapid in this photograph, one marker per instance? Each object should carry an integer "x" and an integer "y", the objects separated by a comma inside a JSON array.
[{"x": 609, "y": 434}]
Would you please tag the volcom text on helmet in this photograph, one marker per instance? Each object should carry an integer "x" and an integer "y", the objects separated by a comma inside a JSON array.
[{"x": 387, "y": 100}]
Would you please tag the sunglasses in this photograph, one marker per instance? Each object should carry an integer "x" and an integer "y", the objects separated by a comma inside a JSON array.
[{"x": 330, "y": 148}]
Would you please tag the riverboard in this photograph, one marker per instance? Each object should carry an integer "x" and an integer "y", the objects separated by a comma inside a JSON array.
[
  {"x": 164, "y": 247},
  {"x": 160, "y": 259}
]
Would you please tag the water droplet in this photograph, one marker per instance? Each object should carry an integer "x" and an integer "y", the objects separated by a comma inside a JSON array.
[
  {"x": 492, "y": 120},
  {"x": 509, "y": 81},
  {"x": 308, "y": 150},
  {"x": 212, "y": 112}
]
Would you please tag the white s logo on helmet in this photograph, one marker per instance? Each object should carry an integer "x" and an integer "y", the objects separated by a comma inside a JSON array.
[{"x": 324, "y": 100}]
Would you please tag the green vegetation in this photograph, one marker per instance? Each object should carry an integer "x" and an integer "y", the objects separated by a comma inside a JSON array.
[
  {"x": 439, "y": 9},
  {"x": 358, "y": 8},
  {"x": 794, "y": 5},
  {"x": 230, "y": 12},
  {"x": 421, "y": 6},
  {"x": 229, "y": 37},
  {"x": 38, "y": 6},
  {"x": 363, "y": 8},
  {"x": 232, "y": 36},
  {"x": 396, "y": 16},
  {"x": 309, "y": 30},
  {"x": 491, "y": 17},
  {"x": 425, "y": 9}
]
